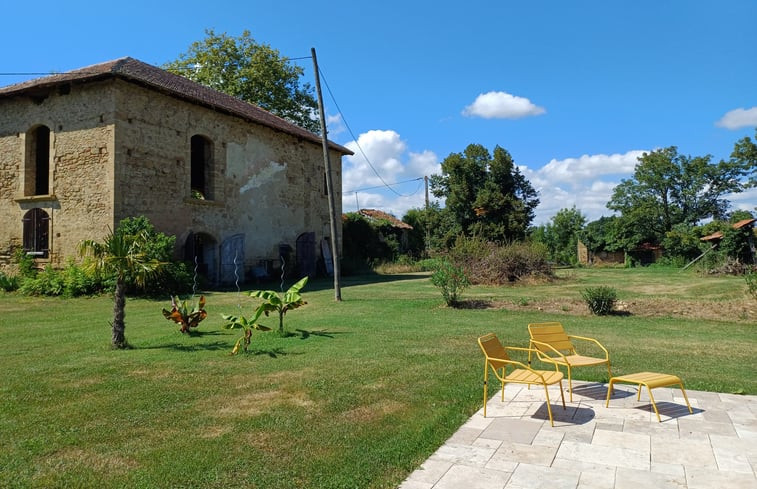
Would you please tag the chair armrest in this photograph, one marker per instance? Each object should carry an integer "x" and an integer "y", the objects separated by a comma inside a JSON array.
[
  {"x": 533, "y": 350},
  {"x": 607, "y": 355},
  {"x": 542, "y": 356}
]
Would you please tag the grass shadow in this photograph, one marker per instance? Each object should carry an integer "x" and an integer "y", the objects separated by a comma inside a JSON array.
[
  {"x": 216, "y": 345},
  {"x": 271, "y": 352},
  {"x": 305, "y": 334}
]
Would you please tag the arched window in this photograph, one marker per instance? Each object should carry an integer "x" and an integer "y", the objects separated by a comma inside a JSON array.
[
  {"x": 36, "y": 232},
  {"x": 37, "y": 169},
  {"x": 202, "y": 167}
]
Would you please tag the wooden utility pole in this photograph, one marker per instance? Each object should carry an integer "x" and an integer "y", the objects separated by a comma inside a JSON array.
[
  {"x": 329, "y": 182},
  {"x": 426, "y": 223}
]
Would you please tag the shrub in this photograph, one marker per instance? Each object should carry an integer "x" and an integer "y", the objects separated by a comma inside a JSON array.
[
  {"x": 451, "y": 279},
  {"x": 600, "y": 299},
  {"x": 488, "y": 263},
  {"x": 751, "y": 282},
  {"x": 47, "y": 282},
  {"x": 175, "y": 277},
  {"x": 8, "y": 283},
  {"x": 26, "y": 265}
]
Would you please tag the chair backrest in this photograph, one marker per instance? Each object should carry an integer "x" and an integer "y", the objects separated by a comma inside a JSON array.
[
  {"x": 492, "y": 348},
  {"x": 551, "y": 333}
]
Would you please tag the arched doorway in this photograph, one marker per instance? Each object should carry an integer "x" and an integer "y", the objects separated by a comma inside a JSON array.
[{"x": 201, "y": 250}]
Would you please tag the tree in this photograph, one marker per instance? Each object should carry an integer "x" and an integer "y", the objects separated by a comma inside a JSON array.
[
  {"x": 122, "y": 256},
  {"x": 253, "y": 72},
  {"x": 745, "y": 156},
  {"x": 561, "y": 235},
  {"x": 488, "y": 196},
  {"x": 434, "y": 228},
  {"x": 669, "y": 189}
]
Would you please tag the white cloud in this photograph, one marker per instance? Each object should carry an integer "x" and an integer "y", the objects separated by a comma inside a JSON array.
[
  {"x": 586, "y": 182},
  {"x": 502, "y": 105},
  {"x": 738, "y": 118},
  {"x": 392, "y": 160},
  {"x": 334, "y": 125}
]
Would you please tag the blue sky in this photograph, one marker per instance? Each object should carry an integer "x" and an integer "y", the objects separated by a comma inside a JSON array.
[{"x": 575, "y": 91}]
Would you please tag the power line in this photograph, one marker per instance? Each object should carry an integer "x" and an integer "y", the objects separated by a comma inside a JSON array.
[
  {"x": 355, "y": 139},
  {"x": 381, "y": 186}
]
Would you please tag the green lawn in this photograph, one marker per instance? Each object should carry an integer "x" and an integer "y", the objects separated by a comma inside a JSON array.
[{"x": 360, "y": 395}]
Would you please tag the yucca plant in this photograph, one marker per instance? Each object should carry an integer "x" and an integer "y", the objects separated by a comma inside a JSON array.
[{"x": 600, "y": 300}]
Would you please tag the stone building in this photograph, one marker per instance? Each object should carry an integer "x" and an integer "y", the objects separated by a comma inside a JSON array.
[{"x": 238, "y": 186}]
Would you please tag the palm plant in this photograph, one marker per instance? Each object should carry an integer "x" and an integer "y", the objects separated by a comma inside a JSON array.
[{"x": 121, "y": 255}]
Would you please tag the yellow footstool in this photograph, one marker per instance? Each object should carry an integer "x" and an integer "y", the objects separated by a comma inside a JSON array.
[{"x": 650, "y": 380}]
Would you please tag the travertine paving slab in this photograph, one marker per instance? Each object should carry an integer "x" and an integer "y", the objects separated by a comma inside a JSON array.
[
  {"x": 472, "y": 478},
  {"x": 594, "y": 447},
  {"x": 634, "y": 479}
]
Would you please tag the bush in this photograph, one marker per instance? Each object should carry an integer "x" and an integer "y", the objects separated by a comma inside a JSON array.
[
  {"x": 488, "y": 263},
  {"x": 8, "y": 283},
  {"x": 751, "y": 282},
  {"x": 47, "y": 282},
  {"x": 600, "y": 299},
  {"x": 26, "y": 265},
  {"x": 451, "y": 280},
  {"x": 175, "y": 277}
]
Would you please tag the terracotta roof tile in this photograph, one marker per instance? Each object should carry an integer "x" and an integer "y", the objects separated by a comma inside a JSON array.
[
  {"x": 376, "y": 214},
  {"x": 136, "y": 71}
]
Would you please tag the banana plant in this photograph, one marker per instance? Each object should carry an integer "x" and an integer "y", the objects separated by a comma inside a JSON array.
[
  {"x": 181, "y": 314},
  {"x": 273, "y": 301},
  {"x": 248, "y": 325}
]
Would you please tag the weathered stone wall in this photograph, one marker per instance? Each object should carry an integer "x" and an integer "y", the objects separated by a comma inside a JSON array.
[
  {"x": 266, "y": 185},
  {"x": 120, "y": 150},
  {"x": 80, "y": 119}
]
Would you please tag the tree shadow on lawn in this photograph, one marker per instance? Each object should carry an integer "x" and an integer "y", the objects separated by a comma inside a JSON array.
[
  {"x": 215, "y": 345},
  {"x": 305, "y": 334}
]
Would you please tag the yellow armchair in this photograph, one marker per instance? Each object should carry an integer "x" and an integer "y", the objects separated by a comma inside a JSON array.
[
  {"x": 499, "y": 361},
  {"x": 552, "y": 344}
]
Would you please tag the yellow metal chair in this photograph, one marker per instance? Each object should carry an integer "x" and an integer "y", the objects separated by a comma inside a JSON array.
[
  {"x": 498, "y": 359},
  {"x": 553, "y": 345}
]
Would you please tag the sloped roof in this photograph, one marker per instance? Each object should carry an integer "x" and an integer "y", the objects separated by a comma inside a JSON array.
[
  {"x": 150, "y": 76},
  {"x": 376, "y": 214},
  {"x": 719, "y": 235}
]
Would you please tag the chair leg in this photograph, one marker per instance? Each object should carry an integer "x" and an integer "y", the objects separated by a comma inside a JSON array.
[
  {"x": 570, "y": 383},
  {"x": 549, "y": 409},
  {"x": 651, "y": 398},
  {"x": 609, "y": 392},
  {"x": 503, "y": 384},
  {"x": 686, "y": 397},
  {"x": 562, "y": 396},
  {"x": 486, "y": 378}
]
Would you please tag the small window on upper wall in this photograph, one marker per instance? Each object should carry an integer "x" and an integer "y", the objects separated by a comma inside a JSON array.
[
  {"x": 37, "y": 166},
  {"x": 36, "y": 232},
  {"x": 201, "y": 167}
]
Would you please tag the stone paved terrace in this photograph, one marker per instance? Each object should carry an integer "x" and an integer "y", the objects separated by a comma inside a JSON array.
[{"x": 593, "y": 447}]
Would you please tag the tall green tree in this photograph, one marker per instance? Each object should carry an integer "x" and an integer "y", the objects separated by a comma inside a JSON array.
[
  {"x": 668, "y": 188},
  {"x": 122, "y": 256},
  {"x": 251, "y": 71},
  {"x": 434, "y": 229},
  {"x": 560, "y": 235},
  {"x": 745, "y": 155},
  {"x": 487, "y": 194}
]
